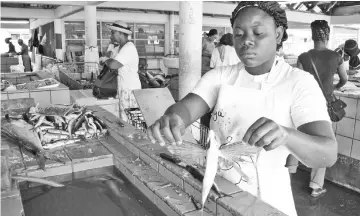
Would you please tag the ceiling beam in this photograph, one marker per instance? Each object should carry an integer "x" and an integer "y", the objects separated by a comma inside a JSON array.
[
  {"x": 26, "y": 13},
  {"x": 344, "y": 20},
  {"x": 70, "y": 3},
  {"x": 64, "y": 11}
]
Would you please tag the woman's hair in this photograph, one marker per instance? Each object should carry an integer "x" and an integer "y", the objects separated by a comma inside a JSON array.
[
  {"x": 7, "y": 40},
  {"x": 320, "y": 30},
  {"x": 273, "y": 9},
  {"x": 212, "y": 32},
  {"x": 227, "y": 39}
]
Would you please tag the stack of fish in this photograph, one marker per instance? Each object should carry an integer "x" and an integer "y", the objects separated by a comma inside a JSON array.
[{"x": 57, "y": 126}]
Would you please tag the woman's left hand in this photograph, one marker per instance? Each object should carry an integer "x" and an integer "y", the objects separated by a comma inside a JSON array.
[{"x": 267, "y": 134}]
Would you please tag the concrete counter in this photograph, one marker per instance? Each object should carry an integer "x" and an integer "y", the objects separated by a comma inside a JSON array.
[{"x": 346, "y": 171}]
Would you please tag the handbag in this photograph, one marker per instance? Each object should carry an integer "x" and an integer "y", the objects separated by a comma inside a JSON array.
[
  {"x": 336, "y": 107},
  {"x": 106, "y": 84}
]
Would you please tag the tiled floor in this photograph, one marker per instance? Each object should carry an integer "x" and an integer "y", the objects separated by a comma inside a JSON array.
[{"x": 338, "y": 201}]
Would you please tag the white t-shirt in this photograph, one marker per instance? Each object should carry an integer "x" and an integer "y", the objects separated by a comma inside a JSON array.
[
  {"x": 128, "y": 73},
  {"x": 295, "y": 89},
  {"x": 229, "y": 55}
]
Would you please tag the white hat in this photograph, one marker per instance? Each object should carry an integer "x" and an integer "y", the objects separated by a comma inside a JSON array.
[{"x": 120, "y": 26}]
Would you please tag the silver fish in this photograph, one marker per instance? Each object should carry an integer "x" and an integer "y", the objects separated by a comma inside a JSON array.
[
  {"x": 22, "y": 134},
  {"x": 60, "y": 143},
  {"x": 231, "y": 153}
]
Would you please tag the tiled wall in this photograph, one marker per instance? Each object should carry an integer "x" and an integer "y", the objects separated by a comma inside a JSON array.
[
  {"x": 43, "y": 97},
  {"x": 348, "y": 129}
]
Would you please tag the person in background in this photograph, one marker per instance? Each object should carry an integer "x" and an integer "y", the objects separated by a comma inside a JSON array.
[
  {"x": 11, "y": 46},
  {"x": 328, "y": 63},
  {"x": 262, "y": 101},
  {"x": 126, "y": 62},
  {"x": 224, "y": 54},
  {"x": 208, "y": 46},
  {"x": 351, "y": 48},
  {"x": 25, "y": 56},
  {"x": 113, "y": 49},
  {"x": 344, "y": 56}
]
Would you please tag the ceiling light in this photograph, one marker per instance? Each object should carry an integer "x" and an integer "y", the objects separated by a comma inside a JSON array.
[{"x": 15, "y": 21}]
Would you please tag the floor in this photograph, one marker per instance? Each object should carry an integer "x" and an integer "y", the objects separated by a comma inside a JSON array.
[{"x": 338, "y": 201}]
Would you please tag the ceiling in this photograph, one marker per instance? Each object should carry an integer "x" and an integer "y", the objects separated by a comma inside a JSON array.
[{"x": 318, "y": 7}]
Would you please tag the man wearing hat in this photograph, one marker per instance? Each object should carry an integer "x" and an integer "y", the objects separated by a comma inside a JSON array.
[
  {"x": 126, "y": 62},
  {"x": 351, "y": 48}
]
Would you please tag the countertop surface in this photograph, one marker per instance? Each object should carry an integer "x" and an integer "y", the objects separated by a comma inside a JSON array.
[{"x": 351, "y": 88}]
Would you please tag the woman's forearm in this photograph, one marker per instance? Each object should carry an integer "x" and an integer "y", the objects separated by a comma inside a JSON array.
[
  {"x": 113, "y": 64},
  {"x": 340, "y": 84},
  {"x": 312, "y": 151},
  {"x": 180, "y": 110}
]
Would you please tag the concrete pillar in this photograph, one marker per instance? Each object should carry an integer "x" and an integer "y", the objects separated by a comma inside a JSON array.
[
  {"x": 172, "y": 35},
  {"x": 91, "y": 49},
  {"x": 58, "y": 39},
  {"x": 190, "y": 45}
]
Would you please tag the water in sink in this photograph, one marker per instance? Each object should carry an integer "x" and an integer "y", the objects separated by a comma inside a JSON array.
[{"x": 127, "y": 198}]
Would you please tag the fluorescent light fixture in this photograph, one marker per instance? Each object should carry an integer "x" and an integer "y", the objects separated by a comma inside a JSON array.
[{"x": 15, "y": 21}]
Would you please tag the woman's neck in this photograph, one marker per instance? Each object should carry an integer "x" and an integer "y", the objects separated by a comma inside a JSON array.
[
  {"x": 261, "y": 69},
  {"x": 122, "y": 43},
  {"x": 320, "y": 45}
]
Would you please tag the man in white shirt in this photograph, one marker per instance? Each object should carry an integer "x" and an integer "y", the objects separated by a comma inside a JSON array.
[{"x": 126, "y": 61}]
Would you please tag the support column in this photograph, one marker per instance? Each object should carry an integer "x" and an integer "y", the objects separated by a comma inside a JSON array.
[
  {"x": 91, "y": 49},
  {"x": 58, "y": 39},
  {"x": 190, "y": 45},
  {"x": 172, "y": 35}
]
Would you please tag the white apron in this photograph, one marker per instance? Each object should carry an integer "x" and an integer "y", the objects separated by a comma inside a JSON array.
[{"x": 240, "y": 107}]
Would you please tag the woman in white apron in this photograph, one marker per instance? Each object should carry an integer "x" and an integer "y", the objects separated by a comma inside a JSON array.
[{"x": 264, "y": 102}]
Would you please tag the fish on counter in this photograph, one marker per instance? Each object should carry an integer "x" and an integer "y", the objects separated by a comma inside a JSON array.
[
  {"x": 22, "y": 134},
  {"x": 42, "y": 129}
]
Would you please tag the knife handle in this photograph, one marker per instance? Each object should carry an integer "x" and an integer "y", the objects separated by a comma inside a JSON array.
[
  {"x": 196, "y": 173},
  {"x": 170, "y": 158}
]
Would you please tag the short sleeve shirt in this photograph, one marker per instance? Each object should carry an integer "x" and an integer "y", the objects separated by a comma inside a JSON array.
[
  {"x": 128, "y": 73},
  {"x": 297, "y": 89}
]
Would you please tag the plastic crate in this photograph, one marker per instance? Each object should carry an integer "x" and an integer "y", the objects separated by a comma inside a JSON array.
[
  {"x": 71, "y": 74},
  {"x": 136, "y": 119}
]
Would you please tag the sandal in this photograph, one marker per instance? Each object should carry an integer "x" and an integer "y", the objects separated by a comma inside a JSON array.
[{"x": 318, "y": 192}]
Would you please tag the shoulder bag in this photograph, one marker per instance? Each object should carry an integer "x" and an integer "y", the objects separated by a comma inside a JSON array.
[
  {"x": 106, "y": 84},
  {"x": 336, "y": 107}
]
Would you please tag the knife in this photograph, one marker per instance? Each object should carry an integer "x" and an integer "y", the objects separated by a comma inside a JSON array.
[{"x": 196, "y": 173}]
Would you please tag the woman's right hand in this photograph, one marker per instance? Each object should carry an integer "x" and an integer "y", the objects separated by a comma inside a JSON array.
[{"x": 171, "y": 126}]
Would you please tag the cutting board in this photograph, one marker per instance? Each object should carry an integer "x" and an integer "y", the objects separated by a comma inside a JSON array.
[{"x": 153, "y": 104}]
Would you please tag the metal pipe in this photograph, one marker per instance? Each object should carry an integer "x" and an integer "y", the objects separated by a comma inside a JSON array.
[
  {"x": 346, "y": 10},
  {"x": 37, "y": 180}
]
